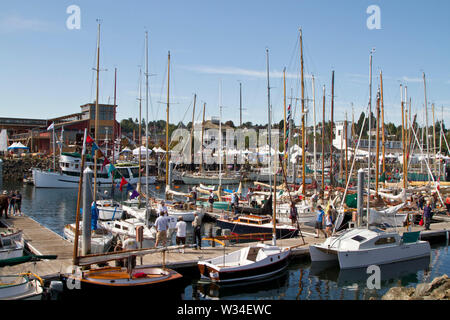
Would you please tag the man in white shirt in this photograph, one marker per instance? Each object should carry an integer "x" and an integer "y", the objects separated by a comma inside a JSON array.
[
  {"x": 181, "y": 233},
  {"x": 197, "y": 224},
  {"x": 162, "y": 209},
  {"x": 161, "y": 225}
]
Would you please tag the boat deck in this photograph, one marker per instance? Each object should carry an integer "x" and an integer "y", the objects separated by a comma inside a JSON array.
[{"x": 42, "y": 241}]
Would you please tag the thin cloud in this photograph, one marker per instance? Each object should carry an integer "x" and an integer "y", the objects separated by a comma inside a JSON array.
[
  {"x": 408, "y": 79},
  {"x": 239, "y": 72},
  {"x": 14, "y": 23}
]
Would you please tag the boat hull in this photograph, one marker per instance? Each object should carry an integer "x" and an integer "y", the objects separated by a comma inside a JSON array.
[
  {"x": 364, "y": 258},
  {"x": 159, "y": 282},
  {"x": 47, "y": 179},
  {"x": 209, "y": 180},
  {"x": 271, "y": 265},
  {"x": 281, "y": 233}
]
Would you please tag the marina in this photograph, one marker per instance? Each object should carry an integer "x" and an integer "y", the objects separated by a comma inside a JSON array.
[{"x": 230, "y": 159}]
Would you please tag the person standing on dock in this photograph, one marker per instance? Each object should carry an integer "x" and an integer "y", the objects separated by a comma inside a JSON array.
[
  {"x": 293, "y": 214},
  {"x": 427, "y": 215},
  {"x": 319, "y": 222},
  {"x": 4, "y": 203},
  {"x": 162, "y": 209},
  {"x": 12, "y": 202},
  {"x": 18, "y": 203},
  {"x": 197, "y": 224},
  {"x": 161, "y": 224},
  {"x": 181, "y": 233},
  {"x": 194, "y": 195},
  {"x": 329, "y": 222}
]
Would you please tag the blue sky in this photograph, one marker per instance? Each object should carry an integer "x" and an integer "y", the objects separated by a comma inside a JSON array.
[{"x": 46, "y": 69}]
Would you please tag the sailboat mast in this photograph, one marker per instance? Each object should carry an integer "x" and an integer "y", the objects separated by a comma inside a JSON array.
[
  {"x": 220, "y": 136},
  {"x": 140, "y": 130},
  {"x": 426, "y": 121},
  {"x": 303, "y": 117},
  {"x": 314, "y": 125},
  {"x": 270, "y": 119},
  {"x": 434, "y": 140},
  {"x": 331, "y": 130},
  {"x": 96, "y": 114},
  {"x": 203, "y": 130},
  {"x": 114, "y": 125},
  {"x": 146, "y": 129},
  {"x": 370, "y": 128},
  {"x": 403, "y": 136},
  {"x": 323, "y": 141},
  {"x": 377, "y": 166},
  {"x": 286, "y": 145},
  {"x": 192, "y": 133},
  {"x": 167, "y": 120},
  {"x": 383, "y": 148},
  {"x": 240, "y": 104}
]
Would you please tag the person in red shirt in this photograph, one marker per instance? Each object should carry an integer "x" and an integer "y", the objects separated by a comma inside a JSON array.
[{"x": 447, "y": 204}]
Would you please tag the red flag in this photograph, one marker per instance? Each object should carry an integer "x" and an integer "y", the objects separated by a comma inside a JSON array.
[
  {"x": 122, "y": 183},
  {"x": 89, "y": 139},
  {"x": 105, "y": 163}
]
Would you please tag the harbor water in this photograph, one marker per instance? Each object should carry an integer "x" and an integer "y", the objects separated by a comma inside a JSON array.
[{"x": 54, "y": 208}]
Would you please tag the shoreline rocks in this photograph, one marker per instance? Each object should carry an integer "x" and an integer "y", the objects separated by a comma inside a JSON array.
[
  {"x": 438, "y": 289},
  {"x": 16, "y": 169}
]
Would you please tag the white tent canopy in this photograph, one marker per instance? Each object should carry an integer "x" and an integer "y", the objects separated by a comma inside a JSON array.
[
  {"x": 17, "y": 145},
  {"x": 125, "y": 150},
  {"x": 143, "y": 149}
]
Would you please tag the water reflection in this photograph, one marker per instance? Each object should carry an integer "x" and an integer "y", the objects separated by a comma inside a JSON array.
[
  {"x": 407, "y": 271},
  {"x": 270, "y": 288}
]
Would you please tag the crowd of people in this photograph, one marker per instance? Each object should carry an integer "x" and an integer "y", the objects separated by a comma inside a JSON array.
[{"x": 10, "y": 203}]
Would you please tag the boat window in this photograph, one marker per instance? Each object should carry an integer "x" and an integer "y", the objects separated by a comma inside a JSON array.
[
  {"x": 125, "y": 228},
  {"x": 359, "y": 238},
  {"x": 6, "y": 242},
  {"x": 124, "y": 172},
  {"x": 76, "y": 166},
  {"x": 385, "y": 240},
  {"x": 135, "y": 172},
  {"x": 117, "y": 226}
]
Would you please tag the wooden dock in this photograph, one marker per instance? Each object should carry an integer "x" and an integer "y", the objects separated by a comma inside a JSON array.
[{"x": 42, "y": 241}]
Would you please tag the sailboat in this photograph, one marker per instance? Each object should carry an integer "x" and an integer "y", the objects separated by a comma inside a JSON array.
[
  {"x": 253, "y": 262},
  {"x": 108, "y": 282},
  {"x": 361, "y": 247}
]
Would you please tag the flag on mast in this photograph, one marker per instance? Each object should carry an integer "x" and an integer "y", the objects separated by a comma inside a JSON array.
[{"x": 50, "y": 127}]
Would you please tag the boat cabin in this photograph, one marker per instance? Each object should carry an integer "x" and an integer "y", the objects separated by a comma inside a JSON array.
[{"x": 253, "y": 219}]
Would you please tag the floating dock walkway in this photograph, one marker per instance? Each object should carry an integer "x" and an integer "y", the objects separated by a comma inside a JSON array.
[{"x": 42, "y": 241}]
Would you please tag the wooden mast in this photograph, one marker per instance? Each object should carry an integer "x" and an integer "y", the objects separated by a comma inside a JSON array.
[
  {"x": 331, "y": 130},
  {"x": 114, "y": 125},
  {"x": 377, "y": 166},
  {"x": 303, "y": 118},
  {"x": 314, "y": 126},
  {"x": 192, "y": 133},
  {"x": 383, "y": 147},
  {"x": 346, "y": 148},
  {"x": 203, "y": 130},
  {"x": 434, "y": 139},
  {"x": 323, "y": 141},
  {"x": 403, "y": 137},
  {"x": 285, "y": 145},
  {"x": 167, "y": 120},
  {"x": 97, "y": 113},
  {"x": 140, "y": 131},
  {"x": 426, "y": 122}
]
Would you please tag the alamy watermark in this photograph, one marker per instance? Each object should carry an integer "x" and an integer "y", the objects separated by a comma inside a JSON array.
[
  {"x": 374, "y": 20},
  {"x": 73, "y": 22},
  {"x": 238, "y": 146},
  {"x": 374, "y": 280}
]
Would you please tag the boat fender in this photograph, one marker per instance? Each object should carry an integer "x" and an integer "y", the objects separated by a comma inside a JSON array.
[{"x": 140, "y": 275}]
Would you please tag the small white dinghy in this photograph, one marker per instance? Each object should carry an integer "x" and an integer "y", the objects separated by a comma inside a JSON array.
[
  {"x": 20, "y": 287},
  {"x": 253, "y": 262},
  {"x": 11, "y": 244},
  {"x": 361, "y": 247},
  {"x": 109, "y": 209},
  {"x": 127, "y": 228},
  {"x": 101, "y": 239}
]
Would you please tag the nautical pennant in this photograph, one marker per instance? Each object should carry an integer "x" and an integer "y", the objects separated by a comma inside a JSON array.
[
  {"x": 122, "y": 183},
  {"x": 89, "y": 139}
]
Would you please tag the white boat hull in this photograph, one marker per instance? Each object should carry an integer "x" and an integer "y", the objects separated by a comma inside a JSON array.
[
  {"x": 24, "y": 289},
  {"x": 209, "y": 180},
  {"x": 365, "y": 258},
  {"x": 47, "y": 179}
]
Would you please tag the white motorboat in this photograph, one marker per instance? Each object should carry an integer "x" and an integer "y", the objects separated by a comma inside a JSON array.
[
  {"x": 127, "y": 228},
  {"x": 109, "y": 209},
  {"x": 69, "y": 173},
  {"x": 11, "y": 244},
  {"x": 101, "y": 239},
  {"x": 20, "y": 287},
  {"x": 361, "y": 247},
  {"x": 253, "y": 262}
]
